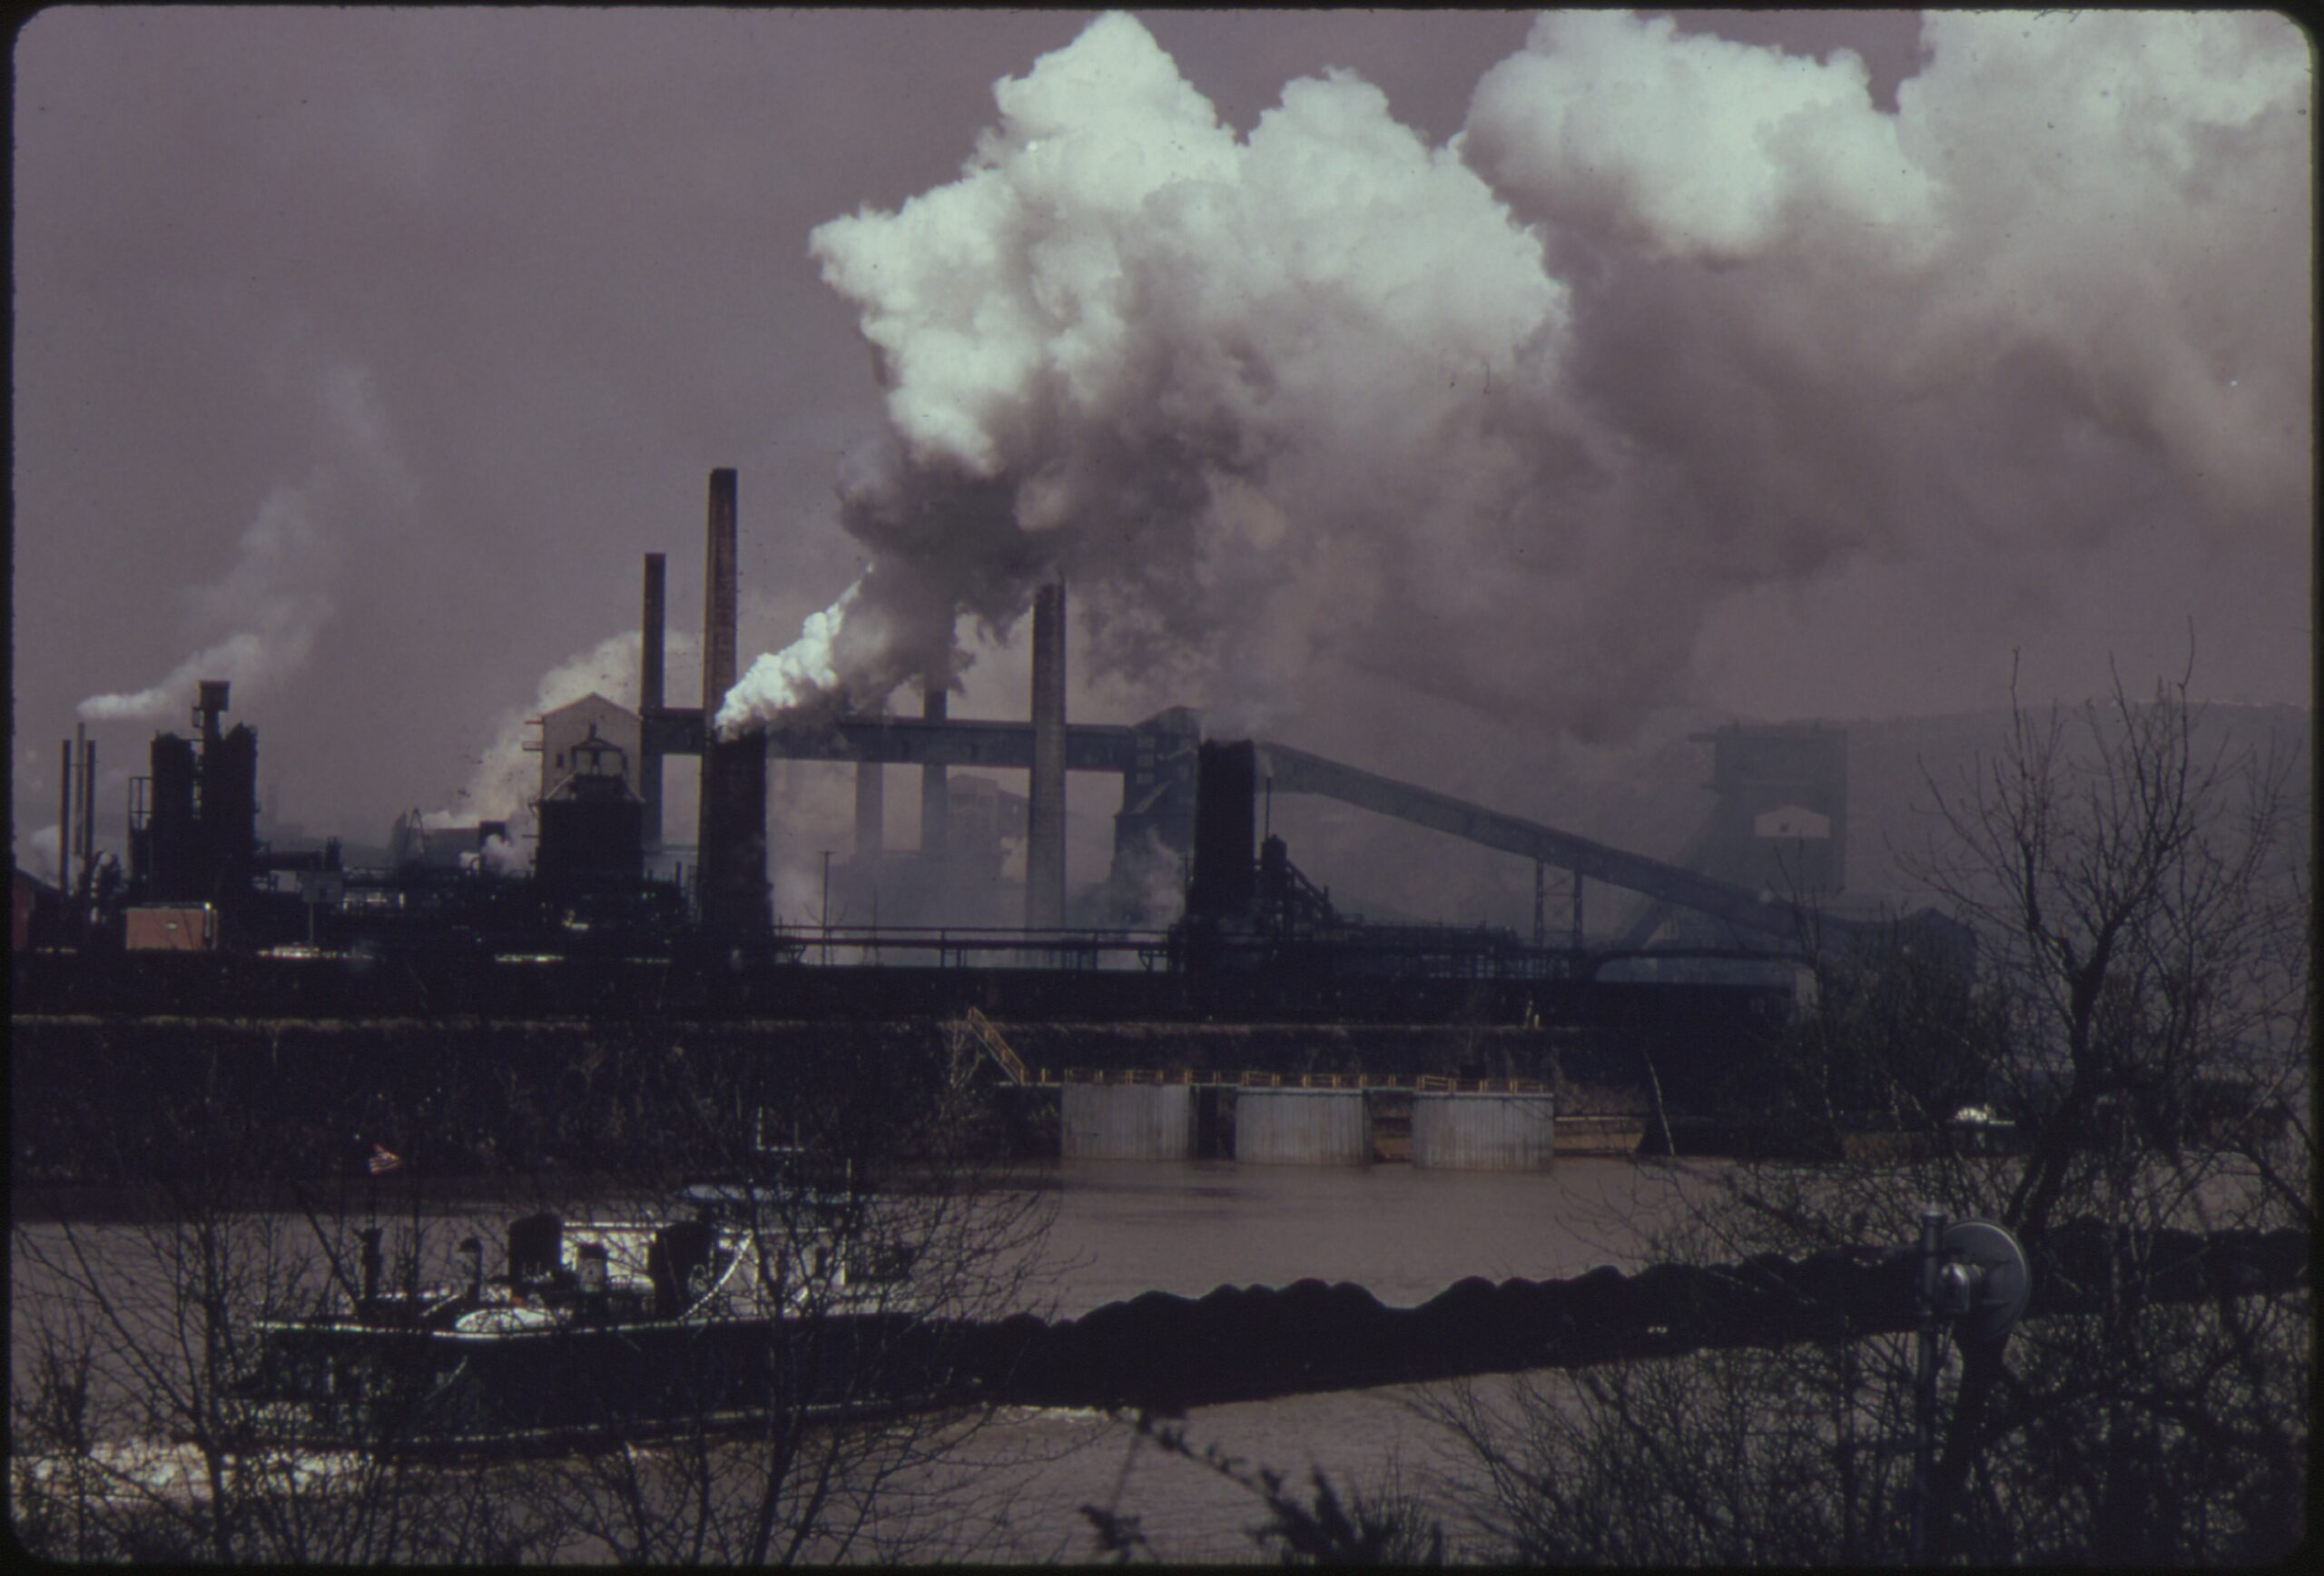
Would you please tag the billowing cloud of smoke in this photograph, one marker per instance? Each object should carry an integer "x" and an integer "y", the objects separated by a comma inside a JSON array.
[
  {"x": 1677, "y": 146},
  {"x": 269, "y": 601},
  {"x": 1322, "y": 409},
  {"x": 260, "y": 618},
  {"x": 808, "y": 666},
  {"x": 44, "y": 853},
  {"x": 508, "y": 776},
  {"x": 1133, "y": 348},
  {"x": 2045, "y": 300}
]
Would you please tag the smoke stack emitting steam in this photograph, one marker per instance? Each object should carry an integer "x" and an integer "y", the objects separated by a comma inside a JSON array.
[{"x": 1322, "y": 408}]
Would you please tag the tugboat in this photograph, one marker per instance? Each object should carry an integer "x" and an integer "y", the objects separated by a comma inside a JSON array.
[{"x": 762, "y": 1302}]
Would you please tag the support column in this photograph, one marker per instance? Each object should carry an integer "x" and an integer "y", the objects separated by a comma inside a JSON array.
[
  {"x": 935, "y": 803},
  {"x": 1045, "y": 829},
  {"x": 651, "y": 652},
  {"x": 870, "y": 825}
]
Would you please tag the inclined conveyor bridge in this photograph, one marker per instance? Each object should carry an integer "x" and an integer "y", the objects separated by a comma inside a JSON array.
[{"x": 1155, "y": 761}]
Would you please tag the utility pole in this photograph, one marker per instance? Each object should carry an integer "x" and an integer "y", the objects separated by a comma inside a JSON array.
[
  {"x": 825, "y": 921},
  {"x": 1924, "y": 1388}
]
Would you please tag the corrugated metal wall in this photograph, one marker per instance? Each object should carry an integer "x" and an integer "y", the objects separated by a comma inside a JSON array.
[
  {"x": 1303, "y": 1127},
  {"x": 1127, "y": 1121},
  {"x": 1478, "y": 1132}
]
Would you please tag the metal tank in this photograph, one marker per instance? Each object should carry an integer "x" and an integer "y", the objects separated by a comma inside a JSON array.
[
  {"x": 1482, "y": 1132},
  {"x": 1303, "y": 1127},
  {"x": 1126, "y": 1121}
]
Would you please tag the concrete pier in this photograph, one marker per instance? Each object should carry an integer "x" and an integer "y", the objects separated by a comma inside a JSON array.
[
  {"x": 1303, "y": 1127},
  {"x": 1484, "y": 1132},
  {"x": 1126, "y": 1121}
]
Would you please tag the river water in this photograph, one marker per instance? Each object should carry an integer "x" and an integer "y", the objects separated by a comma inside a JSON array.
[
  {"x": 1404, "y": 1234},
  {"x": 1120, "y": 1228}
]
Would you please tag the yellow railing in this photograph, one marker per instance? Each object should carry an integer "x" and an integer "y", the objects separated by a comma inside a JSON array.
[
  {"x": 1441, "y": 1083},
  {"x": 999, "y": 1048}
]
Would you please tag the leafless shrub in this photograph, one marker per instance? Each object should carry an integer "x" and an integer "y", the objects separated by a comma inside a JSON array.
[
  {"x": 2140, "y": 1020},
  {"x": 136, "y": 1433}
]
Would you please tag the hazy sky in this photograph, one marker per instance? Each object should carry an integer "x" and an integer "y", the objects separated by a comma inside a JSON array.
[{"x": 1498, "y": 386}]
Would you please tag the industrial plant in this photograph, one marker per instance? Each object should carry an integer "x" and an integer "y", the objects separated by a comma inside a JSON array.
[{"x": 1201, "y": 919}]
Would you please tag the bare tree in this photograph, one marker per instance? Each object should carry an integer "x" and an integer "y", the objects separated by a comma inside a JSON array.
[
  {"x": 892, "y": 1234},
  {"x": 2138, "y": 1021},
  {"x": 134, "y": 1430},
  {"x": 141, "y": 1425},
  {"x": 1326, "y": 1525}
]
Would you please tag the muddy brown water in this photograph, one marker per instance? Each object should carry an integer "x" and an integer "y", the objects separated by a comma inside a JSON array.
[{"x": 1120, "y": 1228}]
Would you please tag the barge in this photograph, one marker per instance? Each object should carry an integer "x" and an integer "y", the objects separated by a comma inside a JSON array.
[{"x": 757, "y": 1307}]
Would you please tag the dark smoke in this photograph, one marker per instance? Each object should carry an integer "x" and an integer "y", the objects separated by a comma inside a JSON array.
[{"x": 1324, "y": 421}]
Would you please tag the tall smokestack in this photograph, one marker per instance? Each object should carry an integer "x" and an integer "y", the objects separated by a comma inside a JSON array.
[
  {"x": 718, "y": 607},
  {"x": 76, "y": 850},
  {"x": 210, "y": 707},
  {"x": 1045, "y": 821},
  {"x": 730, "y": 877},
  {"x": 650, "y": 699},
  {"x": 1226, "y": 834},
  {"x": 64, "y": 816},
  {"x": 935, "y": 807},
  {"x": 88, "y": 807},
  {"x": 724, "y": 820}
]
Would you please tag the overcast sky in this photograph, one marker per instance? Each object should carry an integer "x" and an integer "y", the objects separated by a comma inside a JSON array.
[{"x": 1440, "y": 390}]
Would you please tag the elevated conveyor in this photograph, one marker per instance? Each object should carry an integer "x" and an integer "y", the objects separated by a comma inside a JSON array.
[
  {"x": 1290, "y": 771},
  {"x": 1114, "y": 748}
]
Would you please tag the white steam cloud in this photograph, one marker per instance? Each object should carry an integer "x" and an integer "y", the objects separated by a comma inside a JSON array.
[
  {"x": 783, "y": 680},
  {"x": 259, "y": 619},
  {"x": 1693, "y": 146},
  {"x": 44, "y": 855},
  {"x": 269, "y": 601},
  {"x": 2045, "y": 300},
  {"x": 508, "y": 776},
  {"x": 1311, "y": 413}
]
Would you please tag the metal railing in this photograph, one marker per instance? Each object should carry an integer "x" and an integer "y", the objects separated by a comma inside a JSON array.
[
  {"x": 1253, "y": 1078},
  {"x": 978, "y": 947},
  {"x": 999, "y": 1048}
]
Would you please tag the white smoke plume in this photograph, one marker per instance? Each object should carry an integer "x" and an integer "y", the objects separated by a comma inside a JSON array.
[
  {"x": 2045, "y": 300},
  {"x": 508, "y": 776},
  {"x": 1129, "y": 346},
  {"x": 1323, "y": 417},
  {"x": 267, "y": 600},
  {"x": 781, "y": 680},
  {"x": 44, "y": 855},
  {"x": 259, "y": 621}
]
